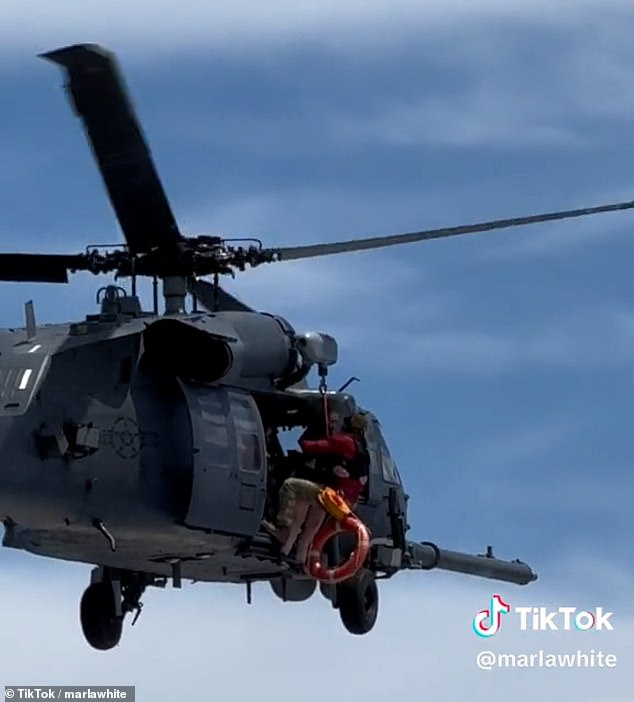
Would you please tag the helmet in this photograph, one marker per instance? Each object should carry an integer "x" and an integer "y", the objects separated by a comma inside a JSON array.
[{"x": 358, "y": 422}]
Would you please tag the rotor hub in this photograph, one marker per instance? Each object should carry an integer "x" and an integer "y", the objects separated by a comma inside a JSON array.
[{"x": 187, "y": 258}]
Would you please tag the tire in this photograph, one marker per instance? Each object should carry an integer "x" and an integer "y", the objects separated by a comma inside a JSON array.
[
  {"x": 99, "y": 622},
  {"x": 358, "y": 602}
]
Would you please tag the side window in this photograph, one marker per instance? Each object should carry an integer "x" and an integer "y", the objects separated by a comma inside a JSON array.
[
  {"x": 375, "y": 455},
  {"x": 213, "y": 412},
  {"x": 375, "y": 460},
  {"x": 247, "y": 426},
  {"x": 390, "y": 472},
  {"x": 249, "y": 454}
]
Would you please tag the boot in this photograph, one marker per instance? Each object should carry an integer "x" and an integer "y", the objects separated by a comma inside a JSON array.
[{"x": 278, "y": 532}]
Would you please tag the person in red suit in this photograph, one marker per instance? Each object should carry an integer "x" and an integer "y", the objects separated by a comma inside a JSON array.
[
  {"x": 347, "y": 461},
  {"x": 348, "y": 447}
]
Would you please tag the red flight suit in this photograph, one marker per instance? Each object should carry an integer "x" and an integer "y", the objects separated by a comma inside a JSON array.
[{"x": 346, "y": 447}]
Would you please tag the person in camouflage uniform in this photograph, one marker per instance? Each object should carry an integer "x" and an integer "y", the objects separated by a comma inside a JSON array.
[
  {"x": 298, "y": 497},
  {"x": 298, "y": 500},
  {"x": 298, "y": 508}
]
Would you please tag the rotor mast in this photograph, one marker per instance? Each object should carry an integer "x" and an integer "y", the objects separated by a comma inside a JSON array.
[{"x": 174, "y": 294}]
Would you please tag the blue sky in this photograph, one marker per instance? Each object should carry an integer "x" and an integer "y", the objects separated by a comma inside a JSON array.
[{"x": 499, "y": 364}]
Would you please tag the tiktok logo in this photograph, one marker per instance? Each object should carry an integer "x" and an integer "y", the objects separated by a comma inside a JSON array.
[{"x": 488, "y": 621}]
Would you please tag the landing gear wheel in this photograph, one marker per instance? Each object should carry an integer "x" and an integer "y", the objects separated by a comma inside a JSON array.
[
  {"x": 358, "y": 602},
  {"x": 99, "y": 621}
]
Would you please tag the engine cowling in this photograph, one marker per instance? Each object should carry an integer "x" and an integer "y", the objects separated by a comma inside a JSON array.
[{"x": 226, "y": 346}]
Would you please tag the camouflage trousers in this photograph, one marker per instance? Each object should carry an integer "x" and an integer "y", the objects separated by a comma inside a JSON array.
[
  {"x": 293, "y": 491},
  {"x": 300, "y": 511}
]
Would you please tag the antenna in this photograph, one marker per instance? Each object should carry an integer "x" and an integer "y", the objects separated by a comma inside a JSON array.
[
  {"x": 29, "y": 315},
  {"x": 155, "y": 294}
]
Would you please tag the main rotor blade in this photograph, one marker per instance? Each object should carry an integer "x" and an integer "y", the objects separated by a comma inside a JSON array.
[
  {"x": 290, "y": 253},
  {"x": 223, "y": 302},
  {"x": 100, "y": 97},
  {"x": 37, "y": 268}
]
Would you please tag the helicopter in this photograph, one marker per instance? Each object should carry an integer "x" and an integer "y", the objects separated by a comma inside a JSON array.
[{"x": 146, "y": 443}]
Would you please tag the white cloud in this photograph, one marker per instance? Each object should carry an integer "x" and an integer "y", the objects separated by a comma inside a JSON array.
[
  {"x": 492, "y": 116},
  {"x": 596, "y": 79},
  {"x": 514, "y": 447},
  {"x": 568, "y": 496},
  {"x": 504, "y": 100},
  {"x": 537, "y": 469},
  {"x": 563, "y": 237},
  {"x": 304, "y": 214},
  {"x": 589, "y": 339},
  {"x": 193, "y": 24},
  {"x": 567, "y": 236}
]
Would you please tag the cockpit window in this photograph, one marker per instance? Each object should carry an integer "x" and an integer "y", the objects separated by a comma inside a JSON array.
[{"x": 388, "y": 466}]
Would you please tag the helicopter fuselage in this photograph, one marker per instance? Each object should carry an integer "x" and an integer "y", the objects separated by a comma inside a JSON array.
[{"x": 114, "y": 455}]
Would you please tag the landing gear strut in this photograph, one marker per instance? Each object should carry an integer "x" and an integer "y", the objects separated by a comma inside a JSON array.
[
  {"x": 358, "y": 602},
  {"x": 105, "y": 603}
]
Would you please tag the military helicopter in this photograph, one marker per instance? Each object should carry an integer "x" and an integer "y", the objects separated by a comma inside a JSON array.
[{"x": 147, "y": 444}]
